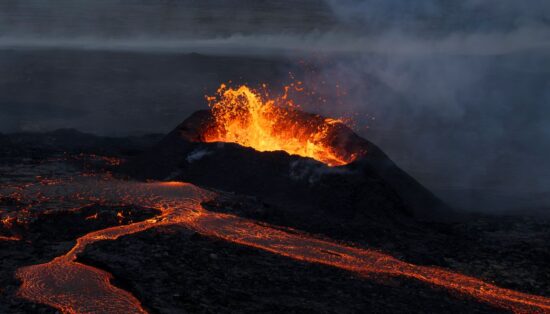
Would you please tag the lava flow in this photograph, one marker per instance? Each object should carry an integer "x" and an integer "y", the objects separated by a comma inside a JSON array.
[
  {"x": 76, "y": 288},
  {"x": 4, "y": 238},
  {"x": 250, "y": 118}
]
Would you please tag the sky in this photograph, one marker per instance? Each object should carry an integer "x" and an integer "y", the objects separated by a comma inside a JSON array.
[{"x": 456, "y": 92}]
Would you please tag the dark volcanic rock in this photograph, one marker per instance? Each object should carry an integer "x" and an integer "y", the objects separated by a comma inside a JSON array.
[
  {"x": 372, "y": 186},
  {"x": 67, "y": 225},
  {"x": 511, "y": 252},
  {"x": 84, "y": 220},
  {"x": 190, "y": 273},
  {"x": 40, "y": 146}
]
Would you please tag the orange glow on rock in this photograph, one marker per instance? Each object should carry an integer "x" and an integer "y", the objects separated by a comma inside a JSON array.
[
  {"x": 4, "y": 238},
  {"x": 173, "y": 184},
  {"x": 92, "y": 217}
]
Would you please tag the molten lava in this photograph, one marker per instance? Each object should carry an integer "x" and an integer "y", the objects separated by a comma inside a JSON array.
[
  {"x": 72, "y": 287},
  {"x": 251, "y": 118}
]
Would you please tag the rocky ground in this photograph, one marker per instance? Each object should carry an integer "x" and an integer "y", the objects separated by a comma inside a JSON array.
[
  {"x": 173, "y": 270},
  {"x": 511, "y": 251},
  {"x": 193, "y": 273}
]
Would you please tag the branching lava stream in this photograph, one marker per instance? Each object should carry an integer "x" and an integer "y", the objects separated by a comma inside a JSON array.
[{"x": 76, "y": 288}]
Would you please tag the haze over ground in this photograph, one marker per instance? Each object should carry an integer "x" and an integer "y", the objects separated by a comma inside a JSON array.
[{"x": 460, "y": 92}]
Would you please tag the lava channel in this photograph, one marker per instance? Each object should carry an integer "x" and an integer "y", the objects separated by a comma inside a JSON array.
[
  {"x": 4, "y": 238},
  {"x": 76, "y": 288}
]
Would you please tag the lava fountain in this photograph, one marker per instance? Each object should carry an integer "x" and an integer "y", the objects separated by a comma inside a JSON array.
[{"x": 251, "y": 118}]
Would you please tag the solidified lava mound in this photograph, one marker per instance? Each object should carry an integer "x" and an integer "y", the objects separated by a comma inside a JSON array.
[{"x": 369, "y": 187}]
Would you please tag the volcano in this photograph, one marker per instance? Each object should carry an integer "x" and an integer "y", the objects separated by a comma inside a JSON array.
[
  {"x": 298, "y": 162},
  {"x": 252, "y": 206}
]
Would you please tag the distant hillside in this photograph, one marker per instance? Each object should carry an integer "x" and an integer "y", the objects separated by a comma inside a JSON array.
[{"x": 17, "y": 146}]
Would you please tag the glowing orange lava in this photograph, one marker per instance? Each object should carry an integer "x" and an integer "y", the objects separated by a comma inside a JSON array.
[
  {"x": 4, "y": 238},
  {"x": 251, "y": 118},
  {"x": 76, "y": 288}
]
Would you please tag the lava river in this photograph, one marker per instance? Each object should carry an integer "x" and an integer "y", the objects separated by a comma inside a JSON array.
[{"x": 72, "y": 287}]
